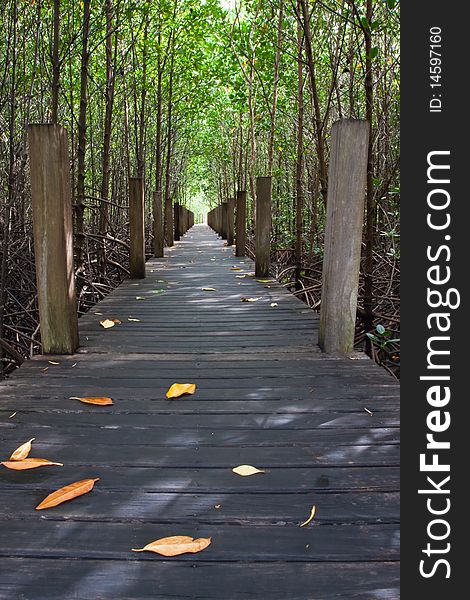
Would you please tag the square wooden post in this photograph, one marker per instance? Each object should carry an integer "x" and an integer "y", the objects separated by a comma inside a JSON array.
[
  {"x": 53, "y": 237},
  {"x": 263, "y": 226},
  {"x": 240, "y": 237},
  {"x": 157, "y": 225},
  {"x": 230, "y": 221},
  {"x": 169, "y": 225},
  {"x": 343, "y": 234},
  {"x": 136, "y": 225},
  {"x": 177, "y": 221},
  {"x": 223, "y": 220}
]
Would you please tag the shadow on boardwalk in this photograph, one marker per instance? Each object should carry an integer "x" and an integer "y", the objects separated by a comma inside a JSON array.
[{"x": 265, "y": 396}]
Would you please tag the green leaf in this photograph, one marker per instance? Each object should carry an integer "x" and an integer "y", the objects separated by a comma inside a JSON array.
[
  {"x": 373, "y": 53},
  {"x": 380, "y": 329}
]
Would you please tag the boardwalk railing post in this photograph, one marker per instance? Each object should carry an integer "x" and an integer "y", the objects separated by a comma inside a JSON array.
[
  {"x": 169, "y": 226},
  {"x": 263, "y": 226},
  {"x": 223, "y": 220},
  {"x": 230, "y": 221},
  {"x": 53, "y": 237},
  {"x": 240, "y": 236},
  {"x": 177, "y": 221},
  {"x": 343, "y": 235},
  {"x": 136, "y": 226},
  {"x": 157, "y": 225}
]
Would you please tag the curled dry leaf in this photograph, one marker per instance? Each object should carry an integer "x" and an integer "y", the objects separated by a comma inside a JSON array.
[
  {"x": 235, "y": 268},
  {"x": 97, "y": 401},
  {"x": 243, "y": 299},
  {"x": 53, "y": 362},
  {"x": 12, "y": 415},
  {"x": 311, "y": 517},
  {"x": 107, "y": 323},
  {"x": 179, "y": 389},
  {"x": 29, "y": 463},
  {"x": 175, "y": 545},
  {"x": 246, "y": 470},
  {"x": 369, "y": 412},
  {"x": 69, "y": 492},
  {"x": 22, "y": 451},
  {"x": 274, "y": 304},
  {"x": 208, "y": 289}
]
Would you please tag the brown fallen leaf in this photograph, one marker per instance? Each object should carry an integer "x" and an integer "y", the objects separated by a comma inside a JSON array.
[
  {"x": 97, "y": 401},
  {"x": 179, "y": 389},
  {"x": 107, "y": 323},
  {"x": 29, "y": 463},
  {"x": 175, "y": 545},
  {"x": 22, "y": 451},
  {"x": 247, "y": 470},
  {"x": 243, "y": 299},
  {"x": 116, "y": 321},
  {"x": 311, "y": 517},
  {"x": 69, "y": 492}
]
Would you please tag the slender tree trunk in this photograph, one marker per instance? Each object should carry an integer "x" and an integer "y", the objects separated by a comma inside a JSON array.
[
  {"x": 277, "y": 61},
  {"x": 370, "y": 204},
  {"x": 305, "y": 19},
  {"x": 55, "y": 64},
  {"x": 108, "y": 119},
  {"x": 299, "y": 205},
  {"x": 81, "y": 152}
]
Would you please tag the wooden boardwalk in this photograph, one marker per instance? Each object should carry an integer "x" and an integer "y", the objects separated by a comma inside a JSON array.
[{"x": 265, "y": 396}]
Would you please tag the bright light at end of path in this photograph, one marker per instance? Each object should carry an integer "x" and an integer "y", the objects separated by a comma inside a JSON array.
[{"x": 228, "y": 4}]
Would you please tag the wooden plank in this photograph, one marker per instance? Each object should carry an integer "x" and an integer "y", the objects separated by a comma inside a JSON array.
[{"x": 46, "y": 579}]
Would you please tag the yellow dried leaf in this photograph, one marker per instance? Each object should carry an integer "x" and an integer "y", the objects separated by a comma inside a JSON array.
[
  {"x": 29, "y": 463},
  {"x": 370, "y": 413},
  {"x": 97, "y": 401},
  {"x": 69, "y": 492},
  {"x": 139, "y": 298},
  {"x": 264, "y": 280},
  {"x": 311, "y": 517},
  {"x": 274, "y": 304},
  {"x": 133, "y": 320},
  {"x": 52, "y": 362},
  {"x": 208, "y": 289},
  {"x": 240, "y": 276},
  {"x": 243, "y": 299},
  {"x": 12, "y": 415},
  {"x": 107, "y": 324},
  {"x": 236, "y": 269},
  {"x": 246, "y": 470},
  {"x": 179, "y": 389},
  {"x": 22, "y": 451},
  {"x": 175, "y": 545}
]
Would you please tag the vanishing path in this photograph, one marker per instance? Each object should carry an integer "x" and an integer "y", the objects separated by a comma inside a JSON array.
[{"x": 265, "y": 396}]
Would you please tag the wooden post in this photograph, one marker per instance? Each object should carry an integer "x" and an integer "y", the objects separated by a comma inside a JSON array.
[
  {"x": 53, "y": 237},
  {"x": 136, "y": 226},
  {"x": 263, "y": 226},
  {"x": 177, "y": 221},
  {"x": 223, "y": 221},
  {"x": 169, "y": 226},
  {"x": 157, "y": 225},
  {"x": 343, "y": 234},
  {"x": 230, "y": 221},
  {"x": 240, "y": 237}
]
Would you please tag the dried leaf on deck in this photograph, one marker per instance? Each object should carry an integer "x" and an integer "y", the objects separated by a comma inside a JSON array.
[
  {"x": 133, "y": 320},
  {"x": 107, "y": 323},
  {"x": 175, "y": 545},
  {"x": 93, "y": 400},
  {"x": 240, "y": 276},
  {"x": 208, "y": 289},
  {"x": 311, "y": 517},
  {"x": 29, "y": 463},
  {"x": 243, "y": 299},
  {"x": 179, "y": 389},
  {"x": 69, "y": 492},
  {"x": 139, "y": 298},
  {"x": 236, "y": 269},
  {"x": 274, "y": 304},
  {"x": 22, "y": 451},
  {"x": 247, "y": 470},
  {"x": 53, "y": 362}
]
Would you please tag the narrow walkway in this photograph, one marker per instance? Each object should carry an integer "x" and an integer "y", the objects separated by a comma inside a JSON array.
[{"x": 265, "y": 396}]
